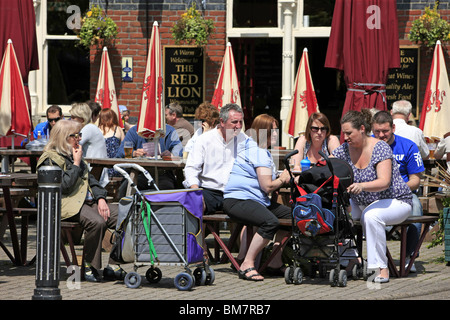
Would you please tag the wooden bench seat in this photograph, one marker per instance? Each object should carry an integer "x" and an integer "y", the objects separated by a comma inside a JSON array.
[
  {"x": 67, "y": 228},
  {"x": 212, "y": 222},
  {"x": 402, "y": 271}
]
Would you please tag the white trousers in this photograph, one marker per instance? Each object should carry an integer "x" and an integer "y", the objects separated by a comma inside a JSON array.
[{"x": 374, "y": 219}]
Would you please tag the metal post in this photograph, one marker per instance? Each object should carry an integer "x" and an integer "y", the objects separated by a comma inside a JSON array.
[{"x": 48, "y": 234}]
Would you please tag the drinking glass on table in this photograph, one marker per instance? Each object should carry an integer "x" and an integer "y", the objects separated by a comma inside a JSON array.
[
  {"x": 292, "y": 163},
  {"x": 128, "y": 149}
]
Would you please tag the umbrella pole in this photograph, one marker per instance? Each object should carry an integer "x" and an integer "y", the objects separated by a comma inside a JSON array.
[{"x": 12, "y": 147}]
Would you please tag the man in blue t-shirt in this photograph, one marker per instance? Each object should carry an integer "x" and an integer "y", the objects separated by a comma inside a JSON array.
[
  {"x": 54, "y": 114},
  {"x": 408, "y": 156}
]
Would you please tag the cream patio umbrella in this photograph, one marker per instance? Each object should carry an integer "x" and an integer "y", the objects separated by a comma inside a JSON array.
[
  {"x": 14, "y": 114},
  {"x": 152, "y": 120},
  {"x": 434, "y": 120},
  {"x": 227, "y": 86},
  {"x": 303, "y": 102},
  {"x": 106, "y": 89}
]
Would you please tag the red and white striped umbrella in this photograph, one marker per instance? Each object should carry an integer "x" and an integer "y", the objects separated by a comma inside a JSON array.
[
  {"x": 14, "y": 114},
  {"x": 434, "y": 120},
  {"x": 152, "y": 120},
  {"x": 303, "y": 102},
  {"x": 106, "y": 89},
  {"x": 227, "y": 86}
]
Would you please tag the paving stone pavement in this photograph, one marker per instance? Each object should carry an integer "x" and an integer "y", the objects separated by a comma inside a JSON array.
[{"x": 431, "y": 282}]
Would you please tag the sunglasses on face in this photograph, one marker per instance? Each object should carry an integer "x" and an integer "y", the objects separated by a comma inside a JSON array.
[
  {"x": 316, "y": 129},
  {"x": 75, "y": 135},
  {"x": 53, "y": 120}
]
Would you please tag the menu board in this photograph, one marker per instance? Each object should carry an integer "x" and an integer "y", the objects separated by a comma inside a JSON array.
[
  {"x": 184, "y": 77},
  {"x": 403, "y": 82}
]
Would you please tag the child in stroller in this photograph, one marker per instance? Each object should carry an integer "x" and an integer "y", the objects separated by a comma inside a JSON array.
[{"x": 323, "y": 236}]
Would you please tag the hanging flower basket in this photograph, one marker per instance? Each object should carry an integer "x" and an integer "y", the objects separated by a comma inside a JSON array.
[
  {"x": 192, "y": 28},
  {"x": 96, "y": 29},
  {"x": 430, "y": 28}
]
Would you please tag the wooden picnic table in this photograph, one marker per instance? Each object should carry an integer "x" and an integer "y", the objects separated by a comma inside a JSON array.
[
  {"x": 25, "y": 184},
  {"x": 8, "y": 157}
]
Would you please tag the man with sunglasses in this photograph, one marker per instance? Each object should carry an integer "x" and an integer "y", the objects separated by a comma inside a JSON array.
[{"x": 54, "y": 114}]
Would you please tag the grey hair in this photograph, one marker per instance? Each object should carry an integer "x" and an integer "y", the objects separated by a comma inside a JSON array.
[
  {"x": 225, "y": 110},
  {"x": 402, "y": 107},
  {"x": 176, "y": 108}
]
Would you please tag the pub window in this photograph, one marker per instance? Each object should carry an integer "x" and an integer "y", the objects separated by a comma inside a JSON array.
[
  {"x": 68, "y": 73},
  {"x": 320, "y": 13},
  {"x": 254, "y": 13},
  {"x": 68, "y": 65}
]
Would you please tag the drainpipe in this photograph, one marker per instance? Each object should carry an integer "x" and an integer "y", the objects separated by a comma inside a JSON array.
[{"x": 287, "y": 9}]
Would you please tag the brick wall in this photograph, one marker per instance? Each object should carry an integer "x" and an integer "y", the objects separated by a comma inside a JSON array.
[
  {"x": 408, "y": 11},
  {"x": 135, "y": 20}
]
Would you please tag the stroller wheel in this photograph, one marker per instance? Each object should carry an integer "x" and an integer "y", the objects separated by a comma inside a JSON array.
[
  {"x": 332, "y": 278},
  {"x": 199, "y": 276},
  {"x": 342, "y": 281},
  {"x": 288, "y": 275},
  {"x": 132, "y": 280},
  {"x": 298, "y": 275},
  {"x": 184, "y": 281},
  {"x": 153, "y": 275}
]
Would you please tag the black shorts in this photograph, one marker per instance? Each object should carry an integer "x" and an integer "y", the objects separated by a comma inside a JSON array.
[{"x": 213, "y": 200}]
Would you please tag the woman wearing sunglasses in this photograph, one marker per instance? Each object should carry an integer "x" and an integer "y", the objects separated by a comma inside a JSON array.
[
  {"x": 83, "y": 198},
  {"x": 317, "y": 138}
]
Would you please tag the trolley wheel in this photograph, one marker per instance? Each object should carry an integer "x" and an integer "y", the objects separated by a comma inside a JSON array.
[
  {"x": 184, "y": 281},
  {"x": 298, "y": 275},
  {"x": 210, "y": 277},
  {"x": 199, "y": 276},
  {"x": 132, "y": 280},
  {"x": 153, "y": 275},
  {"x": 342, "y": 280},
  {"x": 288, "y": 274}
]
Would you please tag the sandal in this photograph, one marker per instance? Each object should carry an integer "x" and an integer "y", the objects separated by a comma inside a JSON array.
[{"x": 243, "y": 275}]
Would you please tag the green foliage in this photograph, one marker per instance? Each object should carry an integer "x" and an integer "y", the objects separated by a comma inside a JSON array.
[
  {"x": 440, "y": 233},
  {"x": 430, "y": 28},
  {"x": 96, "y": 26},
  {"x": 192, "y": 28}
]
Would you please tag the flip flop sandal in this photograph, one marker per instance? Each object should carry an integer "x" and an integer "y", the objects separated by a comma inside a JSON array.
[{"x": 243, "y": 275}]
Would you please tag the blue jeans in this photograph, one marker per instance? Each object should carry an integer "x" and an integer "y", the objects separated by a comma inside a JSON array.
[{"x": 414, "y": 230}]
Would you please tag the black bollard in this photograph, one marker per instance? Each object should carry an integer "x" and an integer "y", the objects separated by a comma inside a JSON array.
[{"x": 48, "y": 234}]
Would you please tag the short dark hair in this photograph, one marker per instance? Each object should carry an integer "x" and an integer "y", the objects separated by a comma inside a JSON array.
[
  {"x": 54, "y": 108},
  {"x": 382, "y": 117},
  {"x": 95, "y": 107}
]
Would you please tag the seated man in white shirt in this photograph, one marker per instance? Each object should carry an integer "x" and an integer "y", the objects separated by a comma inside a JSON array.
[
  {"x": 209, "y": 164},
  {"x": 400, "y": 112}
]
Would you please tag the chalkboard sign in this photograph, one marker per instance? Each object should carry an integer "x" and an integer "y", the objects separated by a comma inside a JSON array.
[
  {"x": 184, "y": 77},
  {"x": 403, "y": 82}
]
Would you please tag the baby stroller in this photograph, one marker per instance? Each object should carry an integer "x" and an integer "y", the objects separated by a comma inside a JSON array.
[
  {"x": 323, "y": 235},
  {"x": 160, "y": 227}
]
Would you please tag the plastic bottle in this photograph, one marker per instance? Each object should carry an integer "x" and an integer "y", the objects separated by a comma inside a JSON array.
[
  {"x": 305, "y": 164},
  {"x": 39, "y": 135}
]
